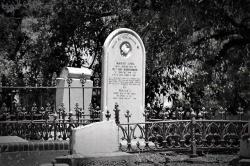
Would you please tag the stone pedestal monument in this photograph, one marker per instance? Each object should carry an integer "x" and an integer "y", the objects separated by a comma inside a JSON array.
[{"x": 70, "y": 89}]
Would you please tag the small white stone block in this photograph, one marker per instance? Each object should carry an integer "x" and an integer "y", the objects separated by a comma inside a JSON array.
[
  {"x": 72, "y": 72},
  {"x": 245, "y": 148},
  {"x": 99, "y": 137}
]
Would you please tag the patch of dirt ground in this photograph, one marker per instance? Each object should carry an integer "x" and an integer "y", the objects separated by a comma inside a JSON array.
[{"x": 183, "y": 159}]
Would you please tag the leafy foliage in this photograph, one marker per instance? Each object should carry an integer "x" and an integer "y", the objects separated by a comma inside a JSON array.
[{"x": 197, "y": 51}]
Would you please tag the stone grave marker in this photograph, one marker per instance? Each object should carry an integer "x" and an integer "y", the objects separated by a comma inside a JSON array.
[
  {"x": 123, "y": 75},
  {"x": 96, "y": 144},
  {"x": 76, "y": 91}
]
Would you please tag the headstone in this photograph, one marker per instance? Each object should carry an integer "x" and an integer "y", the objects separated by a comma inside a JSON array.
[
  {"x": 96, "y": 144},
  {"x": 123, "y": 75},
  {"x": 98, "y": 137},
  {"x": 245, "y": 144},
  {"x": 69, "y": 89}
]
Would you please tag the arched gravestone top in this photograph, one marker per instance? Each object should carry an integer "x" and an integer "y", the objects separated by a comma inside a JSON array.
[
  {"x": 72, "y": 72},
  {"x": 123, "y": 75}
]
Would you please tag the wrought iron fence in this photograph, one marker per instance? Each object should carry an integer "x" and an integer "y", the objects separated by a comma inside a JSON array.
[
  {"x": 33, "y": 115},
  {"x": 35, "y": 123},
  {"x": 46, "y": 129},
  {"x": 28, "y": 108},
  {"x": 177, "y": 135},
  {"x": 202, "y": 134}
]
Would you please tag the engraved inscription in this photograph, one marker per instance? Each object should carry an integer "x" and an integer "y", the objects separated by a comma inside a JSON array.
[
  {"x": 124, "y": 81},
  {"x": 124, "y": 75}
]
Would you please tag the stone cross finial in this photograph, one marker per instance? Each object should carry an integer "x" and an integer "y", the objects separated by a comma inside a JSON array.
[{"x": 128, "y": 115}]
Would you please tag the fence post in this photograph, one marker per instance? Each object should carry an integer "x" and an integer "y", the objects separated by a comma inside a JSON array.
[
  {"x": 54, "y": 123},
  {"x": 77, "y": 111},
  {"x": 116, "y": 110},
  {"x": 128, "y": 115},
  {"x": 193, "y": 158},
  {"x": 83, "y": 81},
  {"x": 147, "y": 117},
  {"x": 69, "y": 81},
  {"x": 240, "y": 112},
  {"x": 193, "y": 143},
  {"x": 222, "y": 111},
  {"x": 70, "y": 128}
]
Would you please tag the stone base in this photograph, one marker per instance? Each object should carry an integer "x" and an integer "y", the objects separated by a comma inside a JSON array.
[
  {"x": 245, "y": 148},
  {"x": 98, "y": 159},
  {"x": 244, "y": 162}
]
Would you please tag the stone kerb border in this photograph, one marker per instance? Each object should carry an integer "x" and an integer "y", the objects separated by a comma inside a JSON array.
[{"x": 34, "y": 146}]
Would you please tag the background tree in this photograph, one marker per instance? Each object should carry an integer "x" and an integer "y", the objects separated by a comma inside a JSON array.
[
  {"x": 197, "y": 51},
  {"x": 209, "y": 38}
]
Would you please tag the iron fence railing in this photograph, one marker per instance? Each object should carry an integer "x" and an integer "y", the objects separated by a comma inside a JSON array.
[
  {"x": 177, "y": 135},
  {"x": 168, "y": 134},
  {"x": 31, "y": 113},
  {"x": 205, "y": 135},
  {"x": 29, "y": 107},
  {"x": 32, "y": 93},
  {"x": 39, "y": 103},
  {"x": 45, "y": 126}
]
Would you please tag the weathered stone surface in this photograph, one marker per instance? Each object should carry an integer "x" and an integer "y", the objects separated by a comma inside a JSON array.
[
  {"x": 123, "y": 75},
  {"x": 72, "y": 72},
  {"x": 99, "y": 137},
  {"x": 98, "y": 159},
  {"x": 77, "y": 94}
]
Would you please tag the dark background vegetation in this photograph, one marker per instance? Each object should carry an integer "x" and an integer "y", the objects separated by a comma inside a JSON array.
[{"x": 197, "y": 50}]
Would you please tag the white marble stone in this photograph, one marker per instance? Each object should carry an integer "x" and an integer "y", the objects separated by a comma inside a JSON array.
[
  {"x": 123, "y": 75},
  {"x": 99, "y": 137},
  {"x": 77, "y": 94},
  {"x": 72, "y": 72}
]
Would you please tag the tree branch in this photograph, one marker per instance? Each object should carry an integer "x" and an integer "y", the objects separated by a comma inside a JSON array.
[
  {"x": 221, "y": 34},
  {"x": 97, "y": 47},
  {"x": 102, "y": 14},
  {"x": 223, "y": 52}
]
